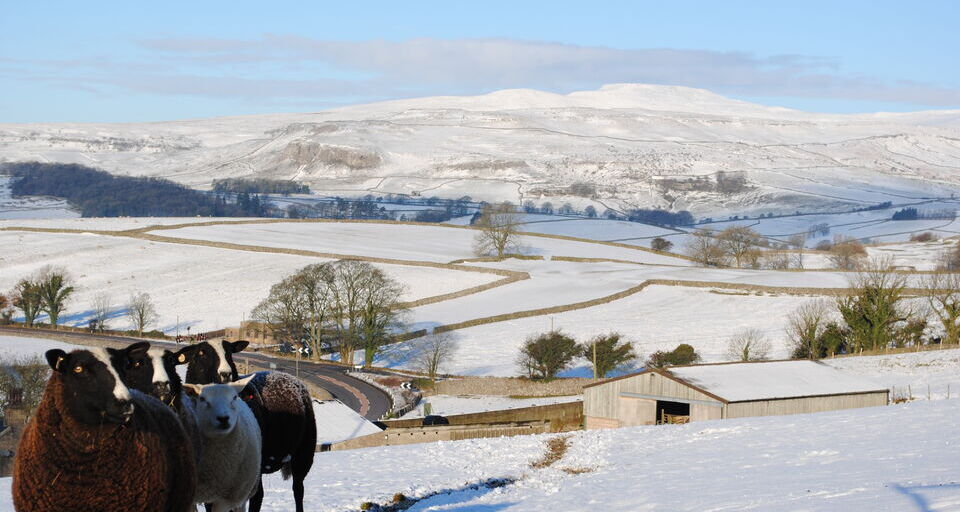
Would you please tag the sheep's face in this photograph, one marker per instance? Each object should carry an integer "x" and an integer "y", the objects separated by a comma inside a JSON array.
[
  {"x": 218, "y": 406},
  {"x": 212, "y": 362},
  {"x": 94, "y": 392},
  {"x": 154, "y": 371}
]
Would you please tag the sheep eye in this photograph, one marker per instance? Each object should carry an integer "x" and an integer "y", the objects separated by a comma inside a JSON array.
[
  {"x": 200, "y": 353},
  {"x": 78, "y": 369},
  {"x": 138, "y": 364}
]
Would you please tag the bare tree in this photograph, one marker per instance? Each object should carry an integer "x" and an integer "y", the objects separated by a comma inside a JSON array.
[
  {"x": 345, "y": 305},
  {"x": 943, "y": 300},
  {"x": 434, "y": 352},
  {"x": 23, "y": 381},
  {"x": 6, "y": 309},
  {"x": 101, "y": 310},
  {"x": 740, "y": 243},
  {"x": 775, "y": 260},
  {"x": 748, "y": 345},
  {"x": 55, "y": 288},
  {"x": 141, "y": 311},
  {"x": 498, "y": 231},
  {"x": 798, "y": 242},
  {"x": 705, "y": 249},
  {"x": 805, "y": 328},
  {"x": 847, "y": 253}
]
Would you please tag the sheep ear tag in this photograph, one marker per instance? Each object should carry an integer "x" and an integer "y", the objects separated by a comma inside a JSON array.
[
  {"x": 182, "y": 359},
  {"x": 57, "y": 366}
]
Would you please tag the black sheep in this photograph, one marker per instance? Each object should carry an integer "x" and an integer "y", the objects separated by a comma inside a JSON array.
[{"x": 95, "y": 445}]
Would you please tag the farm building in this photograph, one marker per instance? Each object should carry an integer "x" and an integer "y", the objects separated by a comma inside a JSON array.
[{"x": 725, "y": 390}]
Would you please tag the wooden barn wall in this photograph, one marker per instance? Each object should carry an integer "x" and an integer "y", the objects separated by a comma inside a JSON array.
[
  {"x": 804, "y": 405},
  {"x": 603, "y": 401}
]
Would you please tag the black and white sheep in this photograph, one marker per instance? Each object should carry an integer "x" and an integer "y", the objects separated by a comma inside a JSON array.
[
  {"x": 153, "y": 370},
  {"x": 95, "y": 445},
  {"x": 231, "y": 445},
  {"x": 282, "y": 405}
]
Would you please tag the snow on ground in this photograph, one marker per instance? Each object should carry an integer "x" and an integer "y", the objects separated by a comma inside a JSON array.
[
  {"x": 594, "y": 229},
  {"x": 657, "y": 318},
  {"x": 874, "y": 225},
  {"x": 206, "y": 288},
  {"x": 893, "y": 458},
  {"x": 30, "y": 207},
  {"x": 882, "y": 458},
  {"x": 433, "y": 243},
  {"x": 15, "y": 347},
  {"x": 336, "y": 422},
  {"x": 931, "y": 374},
  {"x": 110, "y": 223},
  {"x": 447, "y": 405}
]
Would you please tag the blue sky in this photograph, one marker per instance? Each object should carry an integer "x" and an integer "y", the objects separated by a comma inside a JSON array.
[{"x": 133, "y": 61}]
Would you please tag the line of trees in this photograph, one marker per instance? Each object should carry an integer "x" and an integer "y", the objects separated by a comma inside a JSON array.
[
  {"x": 100, "y": 194},
  {"x": 544, "y": 356},
  {"x": 259, "y": 186},
  {"x": 878, "y": 313},
  {"x": 51, "y": 290},
  {"x": 342, "y": 306}
]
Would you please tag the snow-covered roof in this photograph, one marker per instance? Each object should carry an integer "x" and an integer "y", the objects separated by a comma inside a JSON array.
[
  {"x": 336, "y": 422},
  {"x": 739, "y": 382}
]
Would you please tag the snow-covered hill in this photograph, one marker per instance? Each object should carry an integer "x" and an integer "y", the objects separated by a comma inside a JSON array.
[{"x": 637, "y": 143}]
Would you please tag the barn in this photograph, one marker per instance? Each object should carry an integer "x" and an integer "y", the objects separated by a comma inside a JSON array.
[{"x": 725, "y": 390}]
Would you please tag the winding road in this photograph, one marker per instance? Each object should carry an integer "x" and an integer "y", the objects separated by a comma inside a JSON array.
[{"x": 368, "y": 400}]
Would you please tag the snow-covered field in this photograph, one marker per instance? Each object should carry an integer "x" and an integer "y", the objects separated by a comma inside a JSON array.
[
  {"x": 15, "y": 347},
  {"x": 894, "y": 458},
  {"x": 110, "y": 223},
  {"x": 657, "y": 318},
  {"x": 446, "y": 405},
  {"x": 31, "y": 207},
  {"x": 439, "y": 243},
  {"x": 205, "y": 288},
  {"x": 920, "y": 375}
]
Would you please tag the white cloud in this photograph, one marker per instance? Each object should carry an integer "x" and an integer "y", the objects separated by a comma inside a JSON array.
[{"x": 284, "y": 67}]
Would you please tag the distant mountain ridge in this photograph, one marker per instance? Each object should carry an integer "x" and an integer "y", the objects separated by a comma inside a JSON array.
[{"x": 640, "y": 145}]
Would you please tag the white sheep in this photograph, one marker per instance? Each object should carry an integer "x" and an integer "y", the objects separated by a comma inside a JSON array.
[{"x": 231, "y": 459}]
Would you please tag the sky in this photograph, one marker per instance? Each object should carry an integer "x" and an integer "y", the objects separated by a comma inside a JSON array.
[{"x": 137, "y": 61}]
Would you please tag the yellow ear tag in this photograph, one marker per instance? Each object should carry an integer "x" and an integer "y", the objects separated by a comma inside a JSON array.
[{"x": 182, "y": 358}]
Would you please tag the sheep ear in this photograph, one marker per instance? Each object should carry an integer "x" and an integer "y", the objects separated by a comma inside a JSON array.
[
  {"x": 237, "y": 346},
  {"x": 238, "y": 385},
  {"x": 192, "y": 389},
  {"x": 57, "y": 358},
  {"x": 141, "y": 348},
  {"x": 185, "y": 354}
]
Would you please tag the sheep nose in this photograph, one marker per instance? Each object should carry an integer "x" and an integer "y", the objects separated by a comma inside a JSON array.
[
  {"x": 224, "y": 421},
  {"x": 161, "y": 388},
  {"x": 225, "y": 377}
]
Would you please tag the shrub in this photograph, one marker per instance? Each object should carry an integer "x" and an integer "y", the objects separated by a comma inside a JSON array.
[
  {"x": 682, "y": 355},
  {"x": 661, "y": 244},
  {"x": 608, "y": 352},
  {"x": 926, "y": 236},
  {"x": 545, "y": 355}
]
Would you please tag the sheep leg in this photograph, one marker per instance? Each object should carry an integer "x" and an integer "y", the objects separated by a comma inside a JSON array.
[
  {"x": 298, "y": 490},
  {"x": 257, "y": 499}
]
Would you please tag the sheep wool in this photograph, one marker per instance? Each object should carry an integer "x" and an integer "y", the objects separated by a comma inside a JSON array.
[{"x": 145, "y": 465}]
